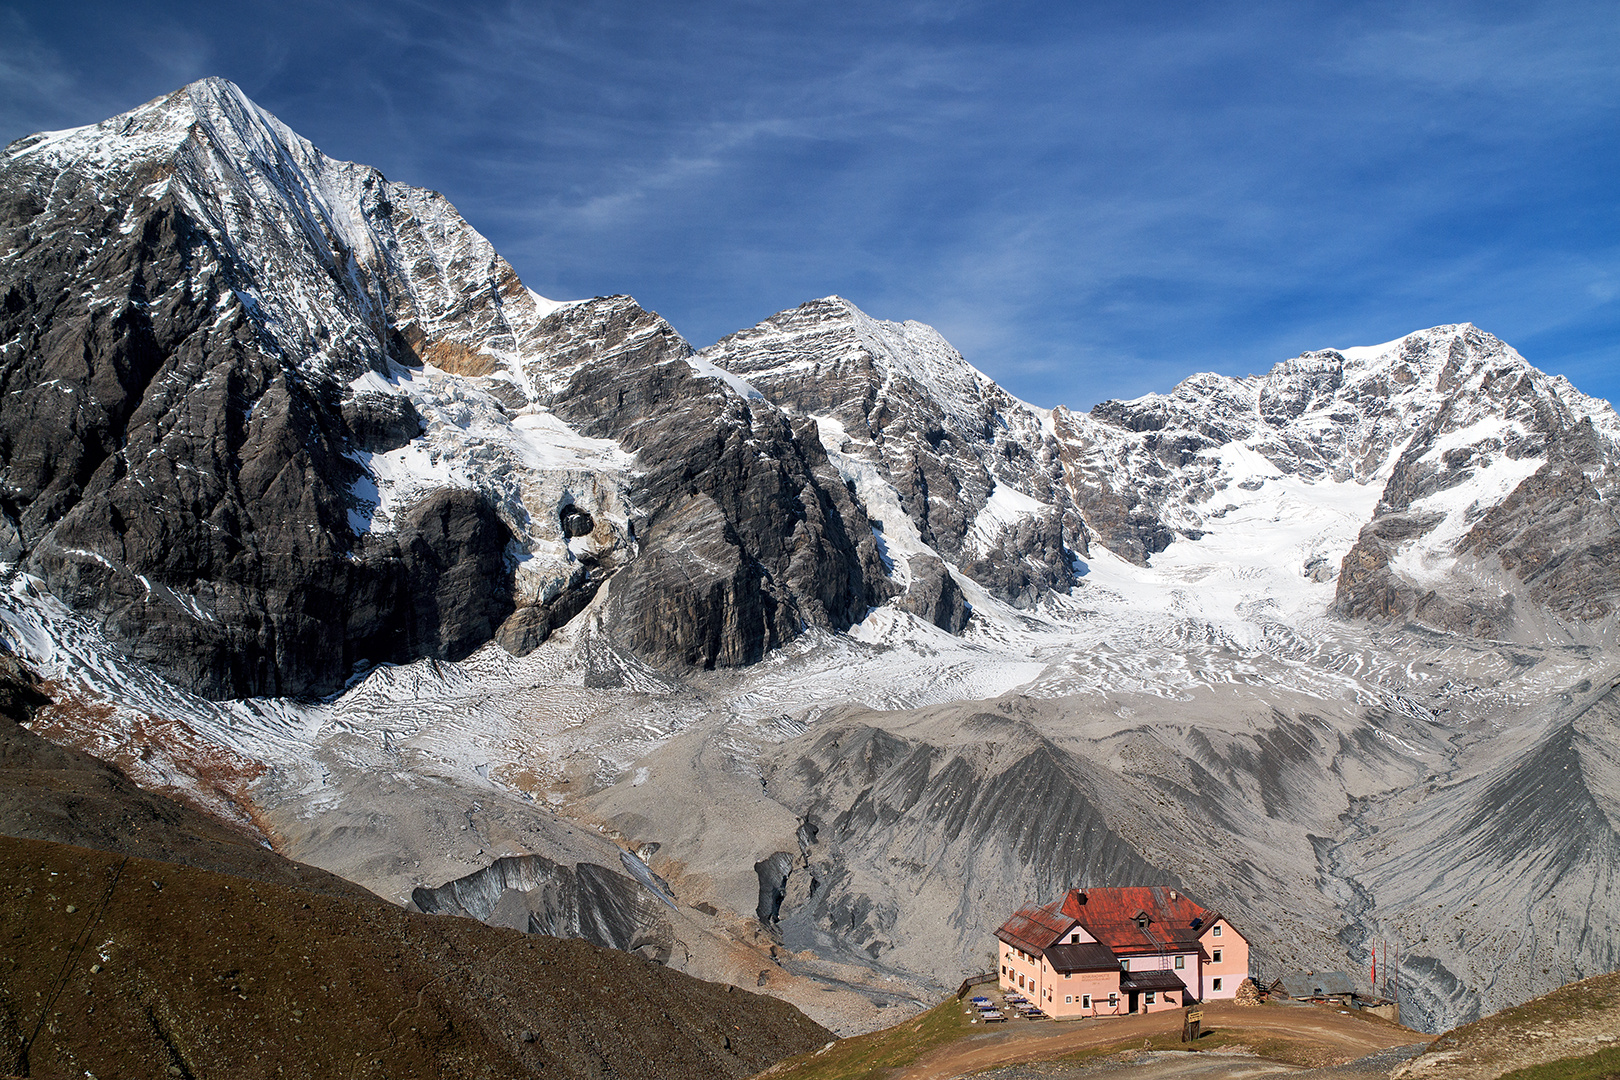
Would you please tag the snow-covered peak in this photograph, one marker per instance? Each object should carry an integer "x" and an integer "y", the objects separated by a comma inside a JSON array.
[
  {"x": 952, "y": 464},
  {"x": 349, "y": 250},
  {"x": 832, "y": 340},
  {"x": 211, "y": 109}
]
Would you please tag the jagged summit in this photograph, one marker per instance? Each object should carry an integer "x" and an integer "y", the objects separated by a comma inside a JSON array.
[
  {"x": 957, "y": 468},
  {"x": 275, "y": 428},
  {"x": 833, "y": 335},
  {"x": 160, "y": 127},
  {"x": 295, "y": 388}
]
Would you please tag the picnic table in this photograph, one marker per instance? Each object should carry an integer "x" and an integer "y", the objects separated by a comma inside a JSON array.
[{"x": 992, "y": 1017}]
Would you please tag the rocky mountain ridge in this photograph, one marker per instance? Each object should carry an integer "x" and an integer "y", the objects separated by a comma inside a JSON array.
[
  {"x": 814, "y": 623},
  {"x": 293, "y": 388},
  {"x": 396, "y": 428}
]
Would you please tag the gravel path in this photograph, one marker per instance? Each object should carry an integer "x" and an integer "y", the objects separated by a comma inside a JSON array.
[{"x": 1340, "y": 1042}]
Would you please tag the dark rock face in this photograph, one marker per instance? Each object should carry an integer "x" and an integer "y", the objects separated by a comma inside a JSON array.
[
  {"x": 378, "y": 423},
  {"x": 192, "y": 397},
  {"x": 934, "y": 596},
  {"x": 746, "y": 534},
  {"x": 575, "y": 522},
  {"x": 171, "y": 467}
]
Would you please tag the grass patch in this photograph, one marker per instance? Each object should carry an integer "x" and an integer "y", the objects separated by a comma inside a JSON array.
[
  {"x": 1603, "y": 1065},
  {"x": 891, "y": 1048},
  {"x": 1275, "y": 1049}
]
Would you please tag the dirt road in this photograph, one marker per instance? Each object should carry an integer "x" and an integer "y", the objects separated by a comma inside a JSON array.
[{"x": 1321, "y": 1036}]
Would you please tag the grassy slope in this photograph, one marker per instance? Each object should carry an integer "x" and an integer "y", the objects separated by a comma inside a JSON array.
[{"x": 872, "y": 1054}]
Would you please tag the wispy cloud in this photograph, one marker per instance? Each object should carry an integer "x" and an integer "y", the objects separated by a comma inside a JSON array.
[{"x": 1089, "y": 200}]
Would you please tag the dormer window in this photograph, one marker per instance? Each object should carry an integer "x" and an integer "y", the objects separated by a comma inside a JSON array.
[{"x": 1142, "y": 921}]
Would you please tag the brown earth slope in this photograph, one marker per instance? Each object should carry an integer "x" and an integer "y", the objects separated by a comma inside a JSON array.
[
  {"x": 137, "y": 968},
  {"x": 1578, "y": 1021},
  {"x": 50, "y": 792},
  {"x": 181, "y": 948},
  {"x": 948, "y": 1042}
]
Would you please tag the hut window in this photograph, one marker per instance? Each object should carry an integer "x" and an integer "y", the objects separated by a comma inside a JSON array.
[
  {"x": 1085, "y": 1001},
  {"x": 1216, "y": 932},
  {"x": 1181, "y": 962},
  {"x": 1216, "y": 985}
]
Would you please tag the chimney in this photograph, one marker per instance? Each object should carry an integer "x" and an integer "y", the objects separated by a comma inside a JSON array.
[{"x": 1173, "y": 894}]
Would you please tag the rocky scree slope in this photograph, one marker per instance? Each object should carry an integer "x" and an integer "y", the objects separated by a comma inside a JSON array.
[
  {"x": 902, "y": 838},
  {"x": 294, "y": 968},
  {"x": 1497, "y": 873},
  {"x": 248, "y": 387}
]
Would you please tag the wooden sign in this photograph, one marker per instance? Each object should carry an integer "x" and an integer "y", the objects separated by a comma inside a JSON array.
[{"x": 1195, "y": 1016}]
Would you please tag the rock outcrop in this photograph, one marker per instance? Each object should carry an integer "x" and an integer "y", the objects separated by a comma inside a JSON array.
[
  {"x": 909, "y": 421},
  {"x": 743, "y": 532},
  {"x": 535, "y": 895}
]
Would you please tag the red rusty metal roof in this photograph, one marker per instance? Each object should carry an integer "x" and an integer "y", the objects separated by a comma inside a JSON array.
[
  {"x": 1033, "y": 928},
  {"x": 1112, "y": 917}
]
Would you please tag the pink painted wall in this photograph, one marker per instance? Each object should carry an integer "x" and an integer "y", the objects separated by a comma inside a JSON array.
[
  {"x": 1010, "y": 965},
  {"x": 1233, "y": 966},
  {"x": 1099, "y": 984}
]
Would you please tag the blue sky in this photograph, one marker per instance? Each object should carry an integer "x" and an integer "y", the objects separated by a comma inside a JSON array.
[{"x": 1090, "y": 200}]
